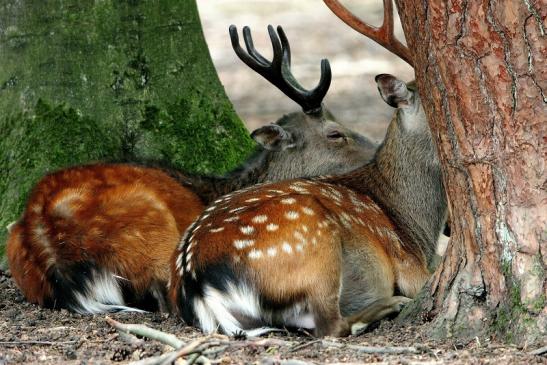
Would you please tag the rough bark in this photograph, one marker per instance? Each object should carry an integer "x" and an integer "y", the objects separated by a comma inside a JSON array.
[
  {"x": 483, "y": 68},
  {"x": 107, "y": 80}
]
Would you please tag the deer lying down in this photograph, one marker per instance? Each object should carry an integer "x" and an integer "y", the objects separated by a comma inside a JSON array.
[
  {"x": 328, "y": 254},
  {"x": 99, "y": 238}
]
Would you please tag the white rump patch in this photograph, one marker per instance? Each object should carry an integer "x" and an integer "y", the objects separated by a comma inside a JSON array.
[{"x": 102, "y": 295}]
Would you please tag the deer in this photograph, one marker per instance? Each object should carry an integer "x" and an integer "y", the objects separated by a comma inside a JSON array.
[
  {"x": 99, "y": 238},
  {"x": 330, "y": 254}
]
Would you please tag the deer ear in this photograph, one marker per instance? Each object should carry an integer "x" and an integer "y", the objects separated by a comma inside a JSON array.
[
  {"x": 393, "y": 91},
  {"x": 272, "y": 137}
]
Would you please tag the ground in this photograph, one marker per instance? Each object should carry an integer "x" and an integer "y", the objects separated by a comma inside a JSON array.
[{"x": 30, "y": 334}]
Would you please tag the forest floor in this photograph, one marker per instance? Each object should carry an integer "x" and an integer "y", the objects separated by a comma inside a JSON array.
[{"x": 33, "y": 335}]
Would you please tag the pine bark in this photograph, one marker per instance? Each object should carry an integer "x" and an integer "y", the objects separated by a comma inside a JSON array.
[
  {"x": 83, "y": 81},
  {"x": 482, "y": 73}
]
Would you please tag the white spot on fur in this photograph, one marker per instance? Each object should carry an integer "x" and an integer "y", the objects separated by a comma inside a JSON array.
[
  {"x": 241, "y": 244},
  {"x": 305, "y": 228},
  {"x": 272, "y": 251},
  {"x": 247, "y": 230},
  {"x": 237, "y": 209},
  {"x": 10, "y": 226},
  {"x": 260, "y": 218},
  {"x": 298, "y": 189},
  {"x": 179, "y": 262},
  {"x": 255, "y": 254},
  {"x": 216, "y": 230},
  {"x": 286, "y": 247},
  {"x": 308, "y": 211},
  {"x": 211, "y": 208},
  {"x": 299, "y": 236},
  {"x": 299, "y": 247},
  {"x": 271, "y": 227},
  {"x": 288, "y": 201},
  {"x": 252, "y": 200},
  {"x": 292, "y": 215},
  {"x": 314, "y": 241},
  {"x": 232, "y": 219}
]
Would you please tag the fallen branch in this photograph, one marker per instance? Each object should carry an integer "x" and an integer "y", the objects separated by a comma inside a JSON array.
[
  {"x": 540, "y": 351},
  {"x": 303, "y": 345},
  {"x": 374, "y": 349},
  {"x": 45, "y": 343},
  {"x": 145, "y": 331}
]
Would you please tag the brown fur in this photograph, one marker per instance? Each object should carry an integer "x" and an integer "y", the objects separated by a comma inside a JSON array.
[
  {"x": 125, "y": 218},
  {"x": 352, "y": 241}
]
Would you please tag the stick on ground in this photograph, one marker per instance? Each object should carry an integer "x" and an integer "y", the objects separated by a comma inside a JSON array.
[{"x": 142, "y": 330}]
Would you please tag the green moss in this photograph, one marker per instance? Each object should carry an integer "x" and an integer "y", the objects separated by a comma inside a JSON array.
[
  {"x": 106, "y": 80},
  {"x": 40, "y": 141},
  {"x": 515, "y": 319}
]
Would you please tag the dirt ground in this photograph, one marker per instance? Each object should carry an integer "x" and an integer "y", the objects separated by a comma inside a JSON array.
[
  {"x": 33, "y": 335},
  {"x": 30, "y": 334}
]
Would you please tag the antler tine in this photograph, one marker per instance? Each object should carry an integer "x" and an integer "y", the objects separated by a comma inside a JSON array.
[
  {"x": 248, "y": 39},
  {"x": 245, "y": 57},
  {"x": 383, "y": 35},
  {"x": 278, "y": 70}
]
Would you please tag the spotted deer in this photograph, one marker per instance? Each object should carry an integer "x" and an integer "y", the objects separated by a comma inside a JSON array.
[
  {"x": 99, "y": 238},
  {"x": 330, "y": 254}
]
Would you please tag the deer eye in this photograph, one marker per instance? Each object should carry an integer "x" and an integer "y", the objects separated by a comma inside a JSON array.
[{"x": 335, "y": 135}]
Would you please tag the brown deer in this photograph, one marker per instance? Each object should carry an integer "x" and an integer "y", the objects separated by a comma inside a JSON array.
[
  {"x": 330, "y": 254},
  {"x": 99, "y": 238}
]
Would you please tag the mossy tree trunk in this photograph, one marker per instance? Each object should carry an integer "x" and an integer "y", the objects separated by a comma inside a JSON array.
[
  {"x": 83, "y": 81},
  {"x": 481, "y": 68}
]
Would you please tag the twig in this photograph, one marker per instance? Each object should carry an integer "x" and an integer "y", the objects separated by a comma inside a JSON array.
[
  {"x": 373, "y": 349},
  {"x": 195, "y": 348},
  {"x": 539, "y": 351},
  {"x": 303, "y": 345},
  {"x": 142, "y": 330},
  {"x": 46, "y": 343}
]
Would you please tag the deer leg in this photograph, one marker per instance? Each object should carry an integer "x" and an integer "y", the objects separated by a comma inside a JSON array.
[
  {"x": 376, "y": 311},
  {"x": 327, "y": 317}
]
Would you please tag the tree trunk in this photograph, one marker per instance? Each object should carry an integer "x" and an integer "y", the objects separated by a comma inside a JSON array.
[
  {"x": 82, "y": 81},
  {"x": 482, "y": 71}
]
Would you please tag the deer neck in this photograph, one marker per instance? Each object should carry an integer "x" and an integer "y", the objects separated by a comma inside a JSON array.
[
  {"x": 405, "y": 178},
  {"x": 210, "y": 187}
]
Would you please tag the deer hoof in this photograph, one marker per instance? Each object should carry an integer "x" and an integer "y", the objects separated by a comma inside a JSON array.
[{"x": 358, "y": 327}]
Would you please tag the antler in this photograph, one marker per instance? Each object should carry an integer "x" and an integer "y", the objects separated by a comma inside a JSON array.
[
  {"x": 278, "y": 71},
  {"x": 383, "y": 35}
]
